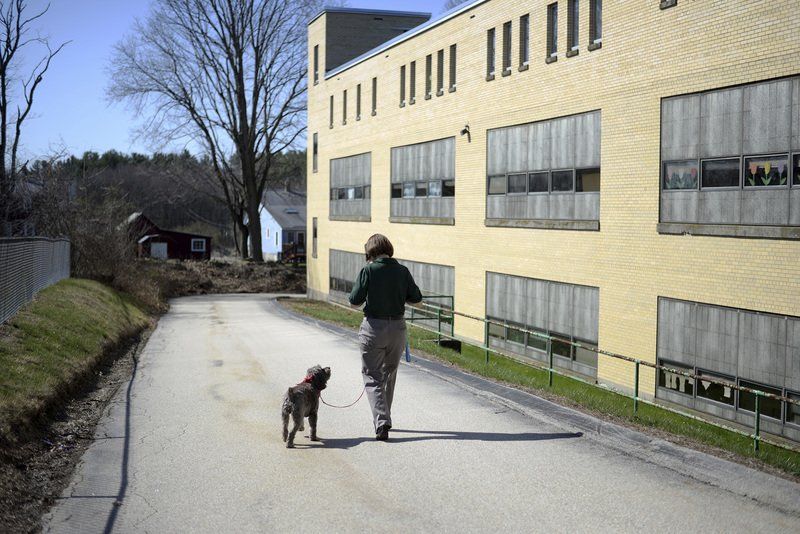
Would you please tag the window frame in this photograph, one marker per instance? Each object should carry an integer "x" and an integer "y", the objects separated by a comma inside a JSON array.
[
  {"x": 440, "y": 72},
  {"x": 489, "y": 182},
  {"x": 508, "y": 183},
  {"x": 547, "y": 174},
  {"x": 791, "y": 394},
  {"x": 723, "y": 188},
  {"x": 576, "y": 170},
  {"x": 553, "y": 191},
  {"x": 315, "y": 152},
  {"x": 552, "y": 33},
  {"x": 374, "y": 96},
  {"x": 794, "y": 175},
  {"x": 358, "y": 102},
  {"x": 445, "y": 188},
  {"x": 675, "y": 161},
  {"x": 573, "y": 26},
  {"x": 757, "y": 187},
  {"x": 196, "y": 240},
  {"x": 681, "y": 366},
  {"x": 331, "y": 112},
  {"x": 344, "y": 107},
  {"x": 752, "y": 384},
  {"x": 595, "y": 24},
  {"x": 524, "y": 40},
  {"x": 316, "y": 64},
  {"x": 506, "y": 57},
  {"x": 413, "y": 186},
  {"x": 452, "y": 66},
  {"x": 491, "y": 52},
  {"x": 412, "y": 82},
  {"x": 700, "y": 371},
  {"x": 402, "y": 86}
]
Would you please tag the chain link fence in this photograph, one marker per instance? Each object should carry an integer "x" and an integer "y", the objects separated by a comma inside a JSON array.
[{"x": 28, "y": 265}]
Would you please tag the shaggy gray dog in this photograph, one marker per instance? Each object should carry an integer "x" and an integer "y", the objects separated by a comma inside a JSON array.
[{"x": 302, "y": 401}]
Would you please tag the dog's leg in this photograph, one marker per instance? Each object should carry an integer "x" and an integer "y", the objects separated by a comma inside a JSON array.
[
  {"x": 312, "y": 422},
  {"x": 285, "y": 417},
  {"x": 297, "y": 419}
]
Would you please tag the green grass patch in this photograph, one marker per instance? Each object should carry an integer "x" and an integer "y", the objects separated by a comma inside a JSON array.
[
  {"x": 53, "y": 343},
  {"x": 570, "y": 391}
]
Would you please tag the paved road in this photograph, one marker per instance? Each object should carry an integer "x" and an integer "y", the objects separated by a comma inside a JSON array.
[{"x": 194, "y": 446}]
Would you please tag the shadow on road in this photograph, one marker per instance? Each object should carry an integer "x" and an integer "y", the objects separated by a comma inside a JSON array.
[{"x": 428, "y": 435}]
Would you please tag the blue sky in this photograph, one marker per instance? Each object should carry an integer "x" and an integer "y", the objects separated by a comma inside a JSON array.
[{"x": 70, "y": 109}]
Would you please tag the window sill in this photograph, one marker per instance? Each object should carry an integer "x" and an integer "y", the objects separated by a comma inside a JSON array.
[
  {"x": 440, "y": 92},
  {"x": 330, "y": 126},
  {"x": 354, "y": 218},
  {"x": 452, "y": 90},
  {"x": 402, "y": 104},
  {"x": 595, "y": 46},
  {"x": 428, "y": 96},
  {"x": 374, "y": 113},
  {"x": 544, "y": 224},
  {"x": 524, "y": 67},
  {"x": 489, "y": 77},
  {"x": 446, "y": 221},
  {"x": 507, "y": 72},
  {"x": 551, "y": 59},
  {"x": 344, "y": 123},
  {"x": 316, "y": 82},
  {"x": 358, "y": 117},
  {"x": 412, "y": 101},
  {"x": 731, "y": 230},
  {"x": 572, "y": 53},
  {"x": 668, "y": 3}
]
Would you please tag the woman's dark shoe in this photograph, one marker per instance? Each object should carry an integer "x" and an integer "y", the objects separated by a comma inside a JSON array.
[{"x": 382, "y": 434}]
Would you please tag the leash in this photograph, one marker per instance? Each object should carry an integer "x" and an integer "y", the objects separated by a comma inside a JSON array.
[{"x": 345, "y": 406}]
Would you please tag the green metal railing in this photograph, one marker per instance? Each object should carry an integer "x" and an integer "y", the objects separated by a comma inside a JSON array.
[{"x": 450, "y": 313}]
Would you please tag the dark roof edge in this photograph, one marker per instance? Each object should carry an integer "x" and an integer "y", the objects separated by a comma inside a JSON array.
[
  {"x": 425, "y": 26},
  {"x": 369, "y": 12}
]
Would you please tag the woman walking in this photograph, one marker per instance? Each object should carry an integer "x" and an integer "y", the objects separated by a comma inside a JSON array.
[{"x": 385, "y": 286}]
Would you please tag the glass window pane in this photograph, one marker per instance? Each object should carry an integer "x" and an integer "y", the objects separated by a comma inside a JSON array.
[
  {"x": 680, "y": 174},
  {"x": 768, "y": 171},
  {"x": 351, "y": 193},
  {"x": 675, "y": 381},
  {"x": 408, "y": 190},
  {"x": 562, "y": 181},
  {"x": 497, "y": 185},
  {"x": 712, "y": 390},
  {"x": 517, "y": 183},
  {"x": 397, "y": 190},
  {"x": 793, "y": 410},
  {"x": 342, "y": 193},
  {"x": 561, "y": 348},
  {"x": 497, "y": 331},
  {"x": 516, "y": 336},
  {"x": 359, "y": 193},
  {"x": 367, "y": 191},
  {"x": 720, "y": 173},
  {"x": 769, "y": 407},
  {"x": 421, "y": 189},
  {"x": 586, "y": 356},
  {"x": 796, "y": 171},
  {"x": 537, "y": 182},
  {"x": 334, "y": 193},
  {"x": 435, "y": 189},
  {"x": 587, "y": 180},
  {"x": 449, "y": 188},
  {"x": 536, "y": 342}
]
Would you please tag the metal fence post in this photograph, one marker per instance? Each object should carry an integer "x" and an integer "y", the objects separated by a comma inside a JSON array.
[
  {"x": 439, "y": 326},
  {"x": 636, "y": 388},
  {"x": 757, "y": 435},
  {"x": 486, "y": 339},
  {"x": 550, "y": 367}
]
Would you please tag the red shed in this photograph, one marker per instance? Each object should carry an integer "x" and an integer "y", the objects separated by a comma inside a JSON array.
[{"x": 153, "y": 242}]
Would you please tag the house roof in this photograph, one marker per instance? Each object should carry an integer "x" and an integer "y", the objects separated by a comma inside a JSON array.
[
  {"x": 413, "y": 32},
  {"x": 287, "y": 207}
]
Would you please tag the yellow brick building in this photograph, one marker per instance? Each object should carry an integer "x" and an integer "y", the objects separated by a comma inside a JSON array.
[{"x": 694, "y": 258}]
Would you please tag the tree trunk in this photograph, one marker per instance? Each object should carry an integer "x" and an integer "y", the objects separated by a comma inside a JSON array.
[
  {"x": 244, "y": 244},
  {"x": 254, "y": 227}
]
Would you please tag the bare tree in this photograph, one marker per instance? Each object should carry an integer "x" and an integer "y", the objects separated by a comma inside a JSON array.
[
  {"x": 227, "y": 74},
  {"x": 15, "y": 37}
]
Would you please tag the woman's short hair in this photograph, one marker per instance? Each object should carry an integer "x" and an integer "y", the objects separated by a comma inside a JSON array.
[{"x": 378, "y": 245}]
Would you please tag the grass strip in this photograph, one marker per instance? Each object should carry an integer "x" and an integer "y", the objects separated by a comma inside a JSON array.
[
  {"x": 592, "y": 398},
  {"x": 55, "y": 342}
]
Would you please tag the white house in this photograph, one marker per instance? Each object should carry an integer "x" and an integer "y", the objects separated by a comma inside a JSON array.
[{"x": 283, "y": 224}]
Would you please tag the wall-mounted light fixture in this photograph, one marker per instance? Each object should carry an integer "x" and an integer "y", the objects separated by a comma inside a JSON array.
[{"x": 465, "y": 131}]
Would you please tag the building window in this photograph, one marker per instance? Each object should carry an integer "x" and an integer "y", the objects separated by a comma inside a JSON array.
[
  {"x": 314, "y": 237},
  {"x": 435, "y": 189},
  {"x": 767, "y": 406},
  {"x": 421, "y": 189},
  {"x": 595, "y": 23},
  {"x": 315, "y": 153},
  {"x": 358, "y": 102},
  {"x": 344, "y": 107},
  {"x": 796, "y": 169},
  {"x": 573, "y": 25},
  {"x": 715, "y": 391},
  {"x": 552, "y": 32},
  {"x": 402, "y": 86},
  {"x": 412, "y": 83},
  {"x": 440, "y": 73},
  {"x": 517, "y": 183},
  {"x": 675, "y": 381},
  {"x": 428, "y": 76},
  {"x": 524, "y": 40},
  {"x": 766, "y": 171},
  {"x": 680, "y": 174},
  {"x": 316, "y": 64},
  {"x": 562, "y": 181},
  {"x": 490, "y": 54},
  {"x": 409, "y": 189},
  {"x": 397, "y": 190},
  {"x": 198, "y": 245},
  {"x": 719, "y": 173},
  {"x": 507, "y": 48},
  {"x": 793, "y": 410},
  {"x": 497, "y": 185},
  {"x": 587, "y": 180},
  {"x": 448, "y": 188},
  {"x": 350, "y": 179},
  {"x": 538, "y": 182},
  {"x": 374, "y": 96},
  {"x": 452, "y": 68},
  {"x": 331, "y": 106}
]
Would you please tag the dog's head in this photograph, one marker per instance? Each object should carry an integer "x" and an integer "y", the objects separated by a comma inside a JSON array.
[{"x": 319, "y": 376}]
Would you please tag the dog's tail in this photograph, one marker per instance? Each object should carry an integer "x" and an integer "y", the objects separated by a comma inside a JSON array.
[{"x": 286, "y": 408}]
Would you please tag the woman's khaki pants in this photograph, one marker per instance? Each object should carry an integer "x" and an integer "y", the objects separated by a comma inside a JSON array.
[{"x": 382, "y": 343}]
